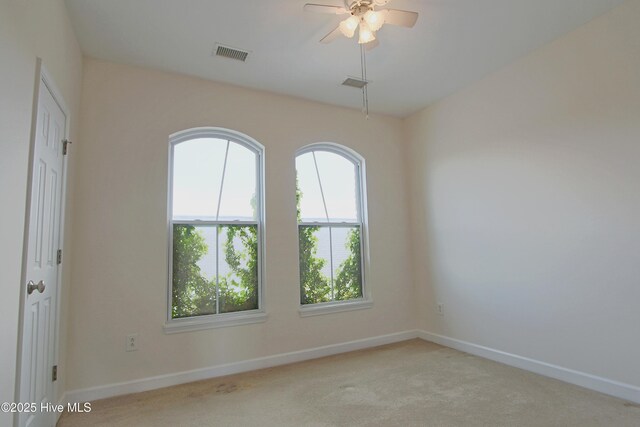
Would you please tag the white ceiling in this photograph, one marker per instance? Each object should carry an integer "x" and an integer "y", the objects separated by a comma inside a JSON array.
[{"x": 453, "y": 43}]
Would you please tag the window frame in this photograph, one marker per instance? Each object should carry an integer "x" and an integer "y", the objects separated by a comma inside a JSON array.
[
  {"x": 217, "y": 320},
  {"x": 365, "y": 301}
]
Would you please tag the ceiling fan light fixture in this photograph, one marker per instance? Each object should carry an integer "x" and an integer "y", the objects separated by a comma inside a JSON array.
[
  {"x": 365, "y": 18},
  {"x": 349, "y": 25},
  {"x": 365, "y": 34},
  {"x": 375, "y": 20}
]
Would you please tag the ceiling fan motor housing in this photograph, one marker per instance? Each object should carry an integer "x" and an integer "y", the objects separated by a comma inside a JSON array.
[
  {"x": 359, "y": 8},
  {"x": 368, "y": 3}
]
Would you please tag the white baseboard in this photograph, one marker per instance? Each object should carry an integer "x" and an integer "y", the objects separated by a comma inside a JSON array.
[
  {"x": 582, "y": 379},
  {"x": 145, "y": 384},
  {"x": 592, "y": 382}
]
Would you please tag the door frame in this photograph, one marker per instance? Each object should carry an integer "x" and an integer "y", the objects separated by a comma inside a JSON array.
[{"x": 42, "y": 77}]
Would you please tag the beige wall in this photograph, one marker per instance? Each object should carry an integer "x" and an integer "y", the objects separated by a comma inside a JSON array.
[
  {"x": 526, "y": 204},
  {"x": 120, "y": 267},
  {"x": 28, "y": 29}
]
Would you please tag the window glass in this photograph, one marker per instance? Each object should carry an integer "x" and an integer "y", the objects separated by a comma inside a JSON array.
[
  {"x": 328, "y": 182},
  {"x": 338, "y": 178},
  {"x": 239, "y": 191},
  {"x": 197, "y": 173},
  {"x": 215, "y": 237},
  {"x": 329, "y": 226}
]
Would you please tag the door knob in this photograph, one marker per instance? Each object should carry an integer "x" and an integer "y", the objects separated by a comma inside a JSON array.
[{"x": 33, "y": 287}]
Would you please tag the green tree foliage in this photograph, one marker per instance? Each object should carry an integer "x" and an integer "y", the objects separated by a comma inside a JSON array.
[
  {"x": 315, "y": 286},
  {"x": 239, "y": 289},
  {"x": 348, "y": 281},
  {"x": 192, "y": 293}
]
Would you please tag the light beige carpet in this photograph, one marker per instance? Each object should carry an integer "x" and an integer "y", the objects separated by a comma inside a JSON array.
[{"x": 413, "y": 383}]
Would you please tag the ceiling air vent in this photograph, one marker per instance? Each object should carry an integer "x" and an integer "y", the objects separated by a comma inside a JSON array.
[
  {"x": 354, "y": 82},
  {"x": 232, "y": 53}
]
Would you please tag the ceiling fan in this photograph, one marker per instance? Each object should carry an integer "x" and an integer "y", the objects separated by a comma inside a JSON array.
[{"x": 365, "y": 18}]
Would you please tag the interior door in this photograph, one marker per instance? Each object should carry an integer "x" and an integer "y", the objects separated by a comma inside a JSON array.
[{"x": 41, "y": 263}]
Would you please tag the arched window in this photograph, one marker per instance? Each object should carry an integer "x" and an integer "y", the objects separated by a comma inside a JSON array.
[
  {"x": 331, "y": 212},
  {"x": 215, "y": 225}
]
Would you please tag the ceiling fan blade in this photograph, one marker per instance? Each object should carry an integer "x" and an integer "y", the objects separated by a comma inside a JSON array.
[
  {"x": 331, "y": 36},
  {"x": 371, "y": 45},
  {"x": 402, "y": 18},
  {"x": 324, "y": 8}
]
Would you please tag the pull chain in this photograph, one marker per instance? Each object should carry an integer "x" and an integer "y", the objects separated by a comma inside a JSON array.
[{"x": 365, "y": 93}]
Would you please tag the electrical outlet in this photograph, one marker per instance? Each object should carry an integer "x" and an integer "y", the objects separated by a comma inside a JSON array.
[
  {"x": 132, "y": 342},
  {"x": 441, "y": 309}
]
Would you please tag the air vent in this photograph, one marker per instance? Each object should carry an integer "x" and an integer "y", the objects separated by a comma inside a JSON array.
[
  {"x": 232, "y": 53},
  {"x": 354, "y": 82}
]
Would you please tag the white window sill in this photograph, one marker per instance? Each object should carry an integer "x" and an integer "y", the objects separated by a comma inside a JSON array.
[
  {"x": 334, "y": 307},
  {"x": 190, "y": 324}
]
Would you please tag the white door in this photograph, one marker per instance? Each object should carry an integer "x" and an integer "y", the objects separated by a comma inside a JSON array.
[{"x": 41, "y": 264}]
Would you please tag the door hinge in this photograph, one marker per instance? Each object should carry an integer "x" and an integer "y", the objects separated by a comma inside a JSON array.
[
  {"x": 65, "y": 143},
  {"x": 59, "y": 256},
  {"x": 54, "y": 373}
]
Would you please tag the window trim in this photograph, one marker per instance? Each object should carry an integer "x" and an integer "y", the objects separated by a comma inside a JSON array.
[
  {"x": 218, "y": 320},
  {"x": 366, "y": 301}
]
